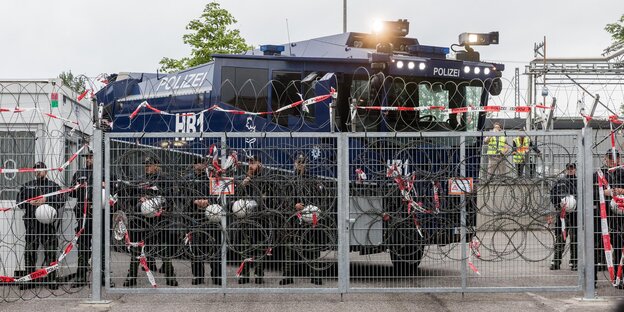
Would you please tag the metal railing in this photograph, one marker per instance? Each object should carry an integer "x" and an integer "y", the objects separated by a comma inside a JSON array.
[{"x": 344, "y": 212}]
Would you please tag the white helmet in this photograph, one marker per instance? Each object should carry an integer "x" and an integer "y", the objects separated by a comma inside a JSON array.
[
  {"x": 150, "y": 207},
  {"x": 242, "y": 207},
  {"x": 308, "y": 212},
  {"x": 214, "y": 212},
  {"x": 617, "y": 205},
  {"x": 45, "y": 214},
  {"x": 570, "y": 202}
]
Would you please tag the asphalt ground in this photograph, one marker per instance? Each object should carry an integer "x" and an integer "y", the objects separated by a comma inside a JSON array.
[
  {"x": 350, "y": 302},
  {"x": 525, "y": 265}
]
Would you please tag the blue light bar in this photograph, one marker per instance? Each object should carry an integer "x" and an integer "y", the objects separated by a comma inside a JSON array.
[
  {"x": 270, "y": 49},
  {"x": 427, "y": 51}
]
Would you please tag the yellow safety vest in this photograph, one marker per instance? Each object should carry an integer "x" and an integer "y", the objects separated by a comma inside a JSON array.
[
  {"x": 521, "y": 149},
  {"x": 496, "y": 146}
]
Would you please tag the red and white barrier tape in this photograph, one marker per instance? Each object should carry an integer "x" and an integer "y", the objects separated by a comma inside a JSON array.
[
  {"x": 618, "y": 278},
  {"x": 43, "y": 272},
  {"x": 63, "y": 191},
  {"x": 216, "y": 107},
  {"x": 360, "y": 175},
  {"x": 562, "y": 216},
  {"x": 239, "y": 271},
  {"x": 59, "y": 169},
  {"x": 406, "y": 187},
  {"x": 148, "y": 272},
  {"x": 436, "y": 195},
  {"x": 614, "y": 119},
  {"x": 458, "y": 110},
  {"x": 606, "y": 239},
  {"x": 16, "y": 110},
  {"x": 473, "y": 245}
]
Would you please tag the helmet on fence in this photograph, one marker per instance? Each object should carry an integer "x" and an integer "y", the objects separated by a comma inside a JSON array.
[
  {"x": 150, "y": 207},
  {"x": 308, "y": 212},
  {"x": 45, "y": 214},
  {"x": 242, "y": 207},
  {"x": 570, "y": 202},
  {"x": 617, "y": 205},
  {"x": 214, "y": 212}
]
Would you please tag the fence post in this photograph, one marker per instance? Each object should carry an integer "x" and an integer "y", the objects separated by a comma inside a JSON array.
[
  {"x": 343, "y": 211},
  {"x": 96, "y": 246},
  {"x": 589, "y": 288},
  {"x": 224, "y": 233},
  {"x": 464, "y": 248}
]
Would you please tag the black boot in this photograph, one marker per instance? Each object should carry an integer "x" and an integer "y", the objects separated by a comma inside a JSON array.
[
  {"x": 167, "y": 267},
  {"x": 130, "y": 282},
  {"x": 259, "y": 270},
  {"x": 555, "y": 265},
  {"x": 131, "y": 279},
  {"x": 51, "y": 282},
  {"x": 27, "y": 285},
  {"x": 81, "y": 272}
]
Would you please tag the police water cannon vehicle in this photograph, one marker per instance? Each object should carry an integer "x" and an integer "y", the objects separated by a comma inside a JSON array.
[{"x": 353, "y": 82}]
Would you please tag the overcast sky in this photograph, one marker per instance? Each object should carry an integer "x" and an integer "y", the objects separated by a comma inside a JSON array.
[{"x": 41, "y": 38}]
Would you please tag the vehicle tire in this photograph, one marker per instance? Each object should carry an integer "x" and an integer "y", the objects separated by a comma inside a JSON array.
[
  {"x": 406, "y": 258},
  {"x": 406, "y": 246}
]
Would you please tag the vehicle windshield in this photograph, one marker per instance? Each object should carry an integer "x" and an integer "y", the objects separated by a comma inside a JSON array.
[{"x": 414, "y": 92}]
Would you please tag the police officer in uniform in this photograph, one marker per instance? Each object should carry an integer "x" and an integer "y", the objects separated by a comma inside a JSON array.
[
  {"x": 307, "y": 192},
  {"x": 254, "y": 187},
  {"x": 85, "y": 177},
  {"x": 615, "y": 178},
  {"x": 565, "y": 186},
  {"x": 38, "y": 233},
  {"x": 206, "y": 241},
  {"x": 155, "y": 185}
]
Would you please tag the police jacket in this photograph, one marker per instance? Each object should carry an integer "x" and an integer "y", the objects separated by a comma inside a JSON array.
[
  {"x": 83, "y": 175},
  {"x": 563, "y": 187},
  {"x": 197, "y": 187},
  {"x": 35, "y": 188}
]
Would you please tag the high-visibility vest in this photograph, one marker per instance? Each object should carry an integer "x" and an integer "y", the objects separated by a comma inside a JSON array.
[
  {"x": 521, "y": 149},
  {"x": 496, "y": 145}
]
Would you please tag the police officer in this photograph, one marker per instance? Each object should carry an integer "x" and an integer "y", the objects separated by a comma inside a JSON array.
[
  {"x": 37, "y": 232},
  {"x": 153, "y": 188},
  {"x": 307, "y": 192},
  {"x": 615, "y": 178},
  {"x": 206, "y": 240},
  {"x": 85, "y": 177},
  {"x": 254, "y": 187},
  {"x": 564, "y": 187}
]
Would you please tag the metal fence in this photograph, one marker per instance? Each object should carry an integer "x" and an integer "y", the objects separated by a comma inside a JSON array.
[{"x": 348, "y": 212}]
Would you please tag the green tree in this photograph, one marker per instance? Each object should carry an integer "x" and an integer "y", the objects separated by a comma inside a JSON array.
[
  {"x": 209, "y": 34},
  {"x": 76, "y": 83},
  {"x": 616, "y": 30}
]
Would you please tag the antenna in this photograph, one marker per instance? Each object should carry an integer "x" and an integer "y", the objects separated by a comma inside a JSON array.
[{"x": 288, "y": 34}]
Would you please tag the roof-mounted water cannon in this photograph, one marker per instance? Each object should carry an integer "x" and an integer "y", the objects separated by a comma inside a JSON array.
[
  {"x": 385, "y": 32},
  {"x": 467, "y": 40},
  {"x": 398, "y": 28}
]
